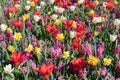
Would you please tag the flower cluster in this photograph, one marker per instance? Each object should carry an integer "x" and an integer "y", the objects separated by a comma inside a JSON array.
[{"x": 59, "y": 39}]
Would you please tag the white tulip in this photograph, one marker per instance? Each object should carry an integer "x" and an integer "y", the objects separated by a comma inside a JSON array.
[
  {"x": 113, "y": 38},
  {"x": 42, "y": 3},
  {"x": 54, "y": 16},
  {"x": 104, "y": 4},
  {"x": 27, "y": 8},
  {"x": 8, "y": 69},
  {"x": 117, "y": 22},
  {"x": 38, "y": 7},
  {"x": 61, "y": 10},
  {"x": 3, "y": 27},
  {"x": 28, "y": 2},
  {"x": 56, "y": 8},
  {"x": 72, "y": 8},
  {"x": 63, "y": 18},
  {"x": 80, "y": 1},
  {"x": 72, "y": 34},
  {"x": 36, "y": 18},
  {"x": 51, "y": 1},
  {"x": 97, "y": 20}
]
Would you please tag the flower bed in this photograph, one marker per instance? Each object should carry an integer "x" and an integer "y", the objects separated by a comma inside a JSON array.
[{"x": 60, "y": 40}]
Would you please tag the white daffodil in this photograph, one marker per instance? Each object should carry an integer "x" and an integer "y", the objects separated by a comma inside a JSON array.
[
  {"x": 8, "y": 69},
  {"x": 3, "y": 27}
]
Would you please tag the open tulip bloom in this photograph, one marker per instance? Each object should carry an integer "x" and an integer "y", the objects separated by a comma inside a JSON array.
[{"x": 59, "y": 39}]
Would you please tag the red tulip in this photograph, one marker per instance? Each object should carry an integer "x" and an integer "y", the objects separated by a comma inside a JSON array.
[
  {"x": 94, "y": 15},
  {"x": 17, "y": 58},
  {"x": 86, "y": 2},
  {"x": 63, "y": 3},
  {"x": 36, "y": 12},
  {"x": 110, "y": 6},
  {"x": 17, "y": 23},
  {"x": 12, "y": 9},
  {"x": 76, "y": 65},
  {"x": 45, "y": 70},
  {"x": 68, "y": 24},
  {"x": 35, "y": 1},
  {"x": 76, "y": 44},
  {"x": 80, "y": 30},
  {"x": 51, "y": 28},
  {"x": 92, "y": 5}
]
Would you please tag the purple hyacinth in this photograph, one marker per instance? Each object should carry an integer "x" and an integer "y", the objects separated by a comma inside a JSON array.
[
  {"x": 24, "y": 70},
  {"x": 82, "y": 73},
  {"x": 100, "y": 49},
  {"x": 29, "y": 24},
  {"x": 56, "y": 52},
  {"x": 86, "y": 49},
  {"x": 32, "y": 64}
]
